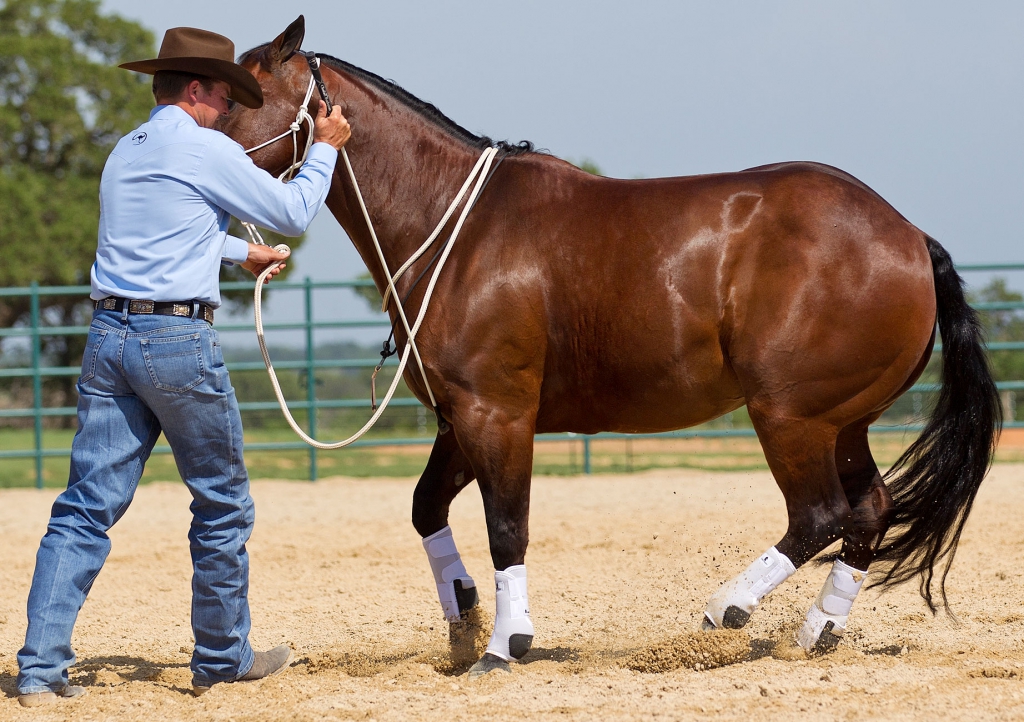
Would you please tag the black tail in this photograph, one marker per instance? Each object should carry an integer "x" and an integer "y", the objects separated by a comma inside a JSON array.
[{"x": 934, "y": 483}]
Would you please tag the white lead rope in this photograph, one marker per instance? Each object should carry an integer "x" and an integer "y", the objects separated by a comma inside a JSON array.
[{"x": 479, "y": 174}]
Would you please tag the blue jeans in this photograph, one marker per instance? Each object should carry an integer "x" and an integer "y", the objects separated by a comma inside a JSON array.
[{"x": 141, "y": 375}]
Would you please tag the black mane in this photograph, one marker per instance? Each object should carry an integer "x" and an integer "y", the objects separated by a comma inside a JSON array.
[{"x": 426, "y": 110}]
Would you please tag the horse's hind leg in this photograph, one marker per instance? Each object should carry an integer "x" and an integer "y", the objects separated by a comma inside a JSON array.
[
  {"x": 448, "y": 472},
  {"x": 801, "y": 455},
  {"x": 871, "y": 508},
  {"x": 867, "y": 495}
]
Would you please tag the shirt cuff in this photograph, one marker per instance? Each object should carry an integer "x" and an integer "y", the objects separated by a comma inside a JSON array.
[
  {"x": 235, "y": 250},
  {"x": 324, "y": 152}
]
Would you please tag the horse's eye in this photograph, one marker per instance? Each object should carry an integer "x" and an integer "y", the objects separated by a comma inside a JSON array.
[{"x": 231, "y": 104}]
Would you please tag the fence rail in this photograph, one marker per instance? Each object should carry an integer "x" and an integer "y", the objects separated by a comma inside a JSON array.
[{"x": 35, "y": 331}]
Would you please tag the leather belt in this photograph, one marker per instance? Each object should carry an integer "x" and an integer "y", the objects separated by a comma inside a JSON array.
[{"x": 159, "y": 308}]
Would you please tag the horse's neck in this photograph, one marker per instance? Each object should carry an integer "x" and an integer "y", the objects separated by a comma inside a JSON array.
[{"x": 408, "y": 172}]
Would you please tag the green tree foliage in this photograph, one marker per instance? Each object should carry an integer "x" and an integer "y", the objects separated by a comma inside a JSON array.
[
  {"x": 589, "y": 166},
  {"x": 368, "y": 292},
  {"x": 64, "y": 104}
]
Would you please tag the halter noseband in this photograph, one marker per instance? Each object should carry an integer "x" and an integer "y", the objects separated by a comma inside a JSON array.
[{"x": 302, "y": 116}]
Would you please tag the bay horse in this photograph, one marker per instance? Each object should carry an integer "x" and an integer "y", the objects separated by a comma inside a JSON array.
[{"x": 579, "y": 303}]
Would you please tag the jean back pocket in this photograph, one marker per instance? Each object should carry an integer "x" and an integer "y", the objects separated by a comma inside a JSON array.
[
  {"x": 91, "y": 353},
  {"x": 175, "y": 363}
]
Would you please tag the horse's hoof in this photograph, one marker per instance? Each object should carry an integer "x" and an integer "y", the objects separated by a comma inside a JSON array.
[
  {"x": 827, "y": 641},
  {"x": 466, "y": 598},
  {"x": 735, "y": 618},
  {"x": 519, "y": 645},
  {"x": 488, "y": 663}
]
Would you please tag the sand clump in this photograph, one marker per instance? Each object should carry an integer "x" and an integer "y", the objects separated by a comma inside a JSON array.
[
  {"x": 695, "y": 650},
  {"x": 453, "y": 655}
]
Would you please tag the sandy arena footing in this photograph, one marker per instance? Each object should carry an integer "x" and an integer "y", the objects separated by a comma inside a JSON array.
[{"x": 620, "y": 570}]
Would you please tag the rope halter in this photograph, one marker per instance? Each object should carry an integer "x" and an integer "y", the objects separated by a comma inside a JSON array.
[{"x": 302, "y": 116}]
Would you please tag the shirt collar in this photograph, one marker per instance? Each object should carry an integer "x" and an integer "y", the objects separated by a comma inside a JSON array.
[{"x": 170, "y": 112}]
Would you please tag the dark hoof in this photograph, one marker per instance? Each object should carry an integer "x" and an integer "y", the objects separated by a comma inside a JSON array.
[
  {"x": 488, "y": 663},
  {"x": 735, "y": 618},
  {"x": 519, "y": 645},
  {"x": 827, "y": 641},
  {"x": 465, "y": 598},
  {"x": 706, "y": 625}
]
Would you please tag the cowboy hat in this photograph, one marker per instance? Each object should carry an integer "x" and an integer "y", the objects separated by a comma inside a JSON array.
[{"x": 191, "y": 50}]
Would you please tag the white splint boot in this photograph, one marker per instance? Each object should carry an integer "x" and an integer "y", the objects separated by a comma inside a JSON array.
[
  {"x": 827, "y": 617},
  {"x": 456, "y": 590},
  {"x": 732, "y": 605},
  {"x": 513, "y": 628}
]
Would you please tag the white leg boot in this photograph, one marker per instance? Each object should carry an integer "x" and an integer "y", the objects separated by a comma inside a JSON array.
[
  {"x": 826, "y": 620},
  {"x": 732, "y": 605},
  {"x": 455, "y": 588},
  {"x": 513, "y": 628}
]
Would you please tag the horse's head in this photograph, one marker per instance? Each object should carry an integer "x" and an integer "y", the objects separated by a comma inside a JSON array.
[{"x": 284, "y": 77}]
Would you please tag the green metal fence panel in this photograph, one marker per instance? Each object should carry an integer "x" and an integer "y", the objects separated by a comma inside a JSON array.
[
  {"x": 310, "y": 376},
  {"x": 36, "y": 331},
  {"x": 37, "y": 384}
]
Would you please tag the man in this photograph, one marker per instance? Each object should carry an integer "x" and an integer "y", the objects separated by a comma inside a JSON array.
[{"x": 153, "y": 361}]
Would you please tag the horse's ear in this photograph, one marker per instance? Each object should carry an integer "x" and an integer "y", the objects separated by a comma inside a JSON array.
[{"x": 285, "y": 44}]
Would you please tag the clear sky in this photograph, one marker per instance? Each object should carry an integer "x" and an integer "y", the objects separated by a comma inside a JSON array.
[{"x": 922, "y": 100}]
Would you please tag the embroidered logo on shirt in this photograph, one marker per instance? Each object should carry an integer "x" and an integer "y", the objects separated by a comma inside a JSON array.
[{"x": 139, "y": 138}]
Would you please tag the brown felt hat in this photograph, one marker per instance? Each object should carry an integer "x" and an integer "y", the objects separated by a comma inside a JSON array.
[{"x": 191, "y": 50}]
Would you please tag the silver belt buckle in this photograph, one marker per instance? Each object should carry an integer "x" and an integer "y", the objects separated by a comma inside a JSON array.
[
  {"x": 109, "y": 303},
  {"x": 182, "y": 309},
  {"x": 140, "y": 306}
]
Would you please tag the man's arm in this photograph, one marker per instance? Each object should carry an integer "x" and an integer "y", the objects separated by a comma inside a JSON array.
[
  {"x": 251, "y": 194},
  {"x": 229, "y": 179}
]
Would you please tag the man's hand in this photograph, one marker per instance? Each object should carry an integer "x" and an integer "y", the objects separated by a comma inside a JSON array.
[
  {"x": 332, "y": 129},
  {"x": 262, "y": 256}
]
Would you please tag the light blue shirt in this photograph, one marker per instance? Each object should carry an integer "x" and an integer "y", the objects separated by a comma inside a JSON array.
[{"x": 167, "y": 194}]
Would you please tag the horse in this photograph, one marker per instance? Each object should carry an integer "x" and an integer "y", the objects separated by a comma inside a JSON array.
[{"x": 577, "y": 303}]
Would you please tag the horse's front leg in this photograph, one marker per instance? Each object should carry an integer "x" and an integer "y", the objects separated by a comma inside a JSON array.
[
  {"x": 448, "y": 472},
  {"x": 498, "y": 441}
]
